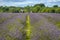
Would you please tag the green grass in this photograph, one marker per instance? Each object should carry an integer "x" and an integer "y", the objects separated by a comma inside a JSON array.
[
  {"x": 57, "y": 24},
  {"x": 2, "y": 20},
  {"x": 11, "y": 27},
  {"x": 8, "y": 37},
  {"x": 27, "y": 30}
]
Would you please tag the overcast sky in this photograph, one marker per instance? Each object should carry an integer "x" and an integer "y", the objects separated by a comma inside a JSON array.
[{"x": 28, "y": 2}]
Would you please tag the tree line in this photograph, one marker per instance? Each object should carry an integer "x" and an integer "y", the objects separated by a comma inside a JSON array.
[{"x": 37, "y": 8}]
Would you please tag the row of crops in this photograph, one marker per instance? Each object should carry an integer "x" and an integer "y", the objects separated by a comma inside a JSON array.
[{"x": 29, "y": 27}]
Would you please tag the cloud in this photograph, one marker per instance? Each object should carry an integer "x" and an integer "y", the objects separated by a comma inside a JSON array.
[
  {"x": 12, "y": 0},
  {"x": 24, "y": 3},
  {"x": 27, "y": 2}
]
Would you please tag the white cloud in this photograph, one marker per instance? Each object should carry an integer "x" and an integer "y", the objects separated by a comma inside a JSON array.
[
  {"x": 17, "y": 3},
  {"x": 14, "y": 3},
  {"x": 24, "y": 3},
  {"x": 53, "y": 0}
]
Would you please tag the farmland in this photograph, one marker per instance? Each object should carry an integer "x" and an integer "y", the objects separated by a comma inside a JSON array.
[{"x": 43, "y": 26}]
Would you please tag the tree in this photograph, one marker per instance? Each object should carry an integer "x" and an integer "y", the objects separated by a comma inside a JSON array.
[
  {"x": 55, "y": 6},
  {"x": 45, "y": 10},
  {"x": 41, "y": 5},
  {"x": 36, "y": 9},
  {"x": 5, "y": 9},
  {"x": 58, "y": 10},
  {"x": 17, "y": 10},
  {"x": 52, "y": 11},
  {"x": 27, "y": 9}
]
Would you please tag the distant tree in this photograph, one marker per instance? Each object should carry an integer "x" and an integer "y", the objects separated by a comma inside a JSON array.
[
  {"x": 45, "y": 10},
  {"x": 55, "y": 6},
  {"x": 27, "y": 9},
  {"x": 58, "y": 10},
  {"x": 5, "y": 9},
  {"x": 52, "y": 11},
  {"x": 41, "y": 5},
  {"x": 36, "y": 9},
  {"x": 16, "y": 10}
]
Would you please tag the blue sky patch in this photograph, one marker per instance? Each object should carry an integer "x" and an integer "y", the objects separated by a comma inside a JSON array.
[{"x": 28, "y": 2}]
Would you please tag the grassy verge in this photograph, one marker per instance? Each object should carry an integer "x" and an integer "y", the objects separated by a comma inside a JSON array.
[{"x": 27, "y": 30}]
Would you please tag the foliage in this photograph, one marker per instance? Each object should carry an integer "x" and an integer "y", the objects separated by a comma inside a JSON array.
[
  {"x": 37, "y": 8},
  {"x": 57, "y": 24},
  {"x": 2, "y": 20},
  {"x": 58, "y": 10},
  {"x": 41, "y": 5},
  {"x": 8, "y": 37},
  {"x": 55, "y": 6}
]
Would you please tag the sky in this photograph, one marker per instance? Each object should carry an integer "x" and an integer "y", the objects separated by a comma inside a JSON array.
[{"x": 22, "y": 3}]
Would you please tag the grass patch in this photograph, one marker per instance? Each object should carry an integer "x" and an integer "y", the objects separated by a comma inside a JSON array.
[
  {"x": 26, "y": 30},
  {"x": 57, "y": 24},
  {"x": 11, "y": 27},
  {"x": 2, "y": 20},
  {"x": 8, "y": 37}
]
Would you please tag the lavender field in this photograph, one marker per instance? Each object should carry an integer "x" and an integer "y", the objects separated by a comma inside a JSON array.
[{"x": 41, "y": 26}]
